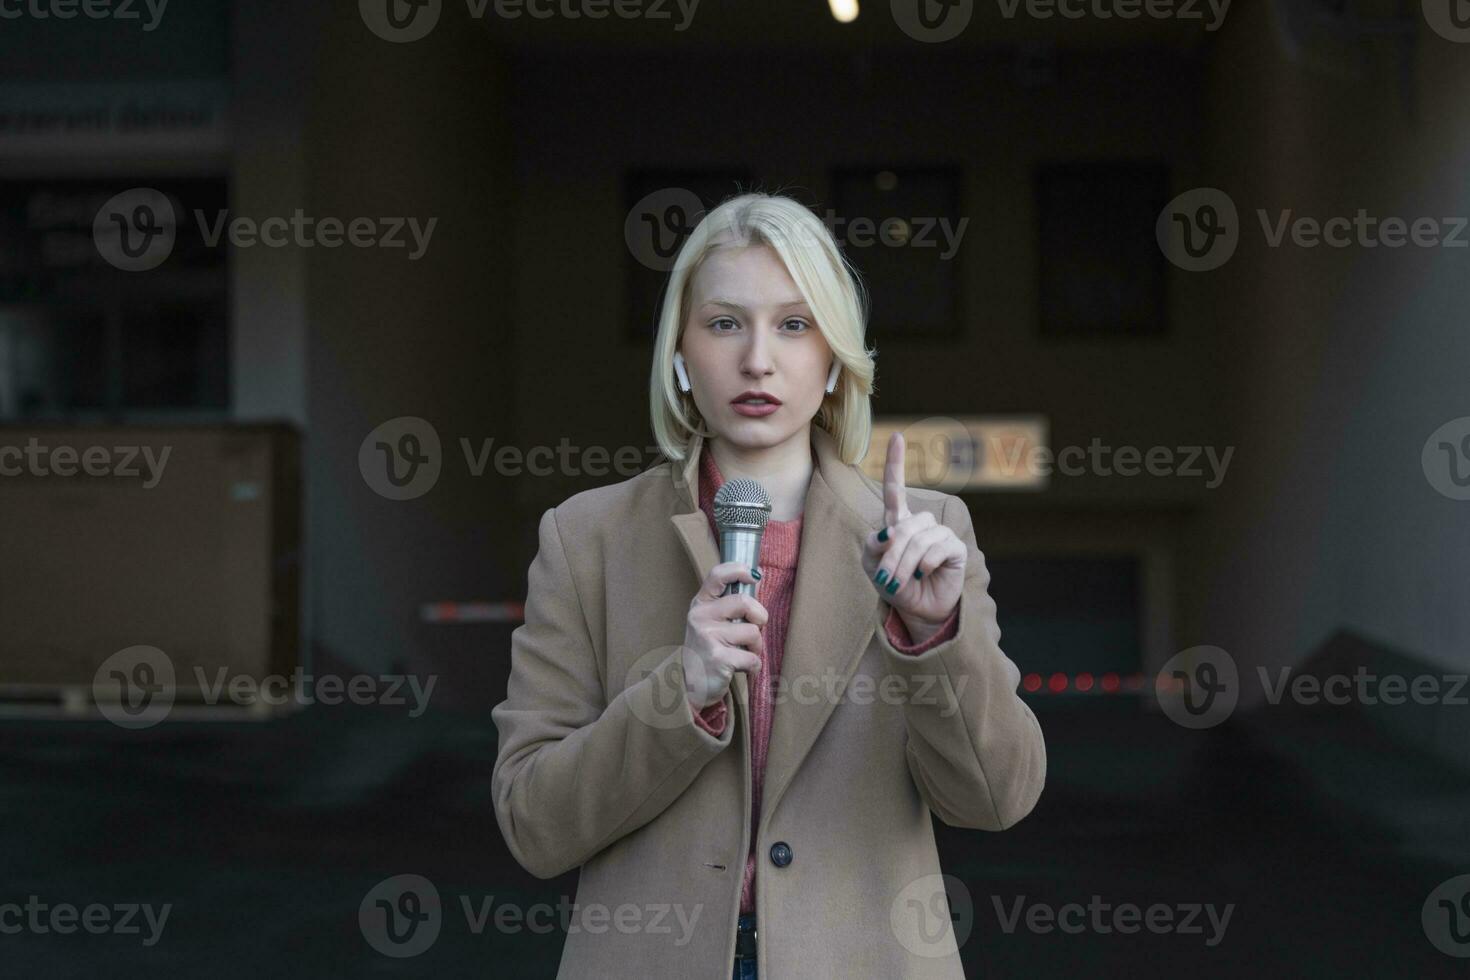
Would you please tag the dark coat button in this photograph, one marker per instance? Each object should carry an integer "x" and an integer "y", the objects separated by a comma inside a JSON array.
[{"x": 781, "y": 854}]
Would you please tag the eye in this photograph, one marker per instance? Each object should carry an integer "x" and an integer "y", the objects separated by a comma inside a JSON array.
[
  {"x": 715, "y": 324},
  {"x": 800, "y": 324}
]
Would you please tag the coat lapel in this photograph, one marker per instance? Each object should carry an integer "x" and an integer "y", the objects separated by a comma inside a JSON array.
[
  {"x": 835, "y": 609},
  {"x": 699, "y": 544}
]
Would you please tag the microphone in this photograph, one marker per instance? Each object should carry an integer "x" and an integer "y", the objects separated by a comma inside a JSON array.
[{"x": 742, "y": 508}]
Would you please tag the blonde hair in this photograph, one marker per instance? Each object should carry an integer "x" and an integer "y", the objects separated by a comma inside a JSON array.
[{"x": 828, "y": 283}]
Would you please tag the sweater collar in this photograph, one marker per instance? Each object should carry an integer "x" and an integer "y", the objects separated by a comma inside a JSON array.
[
  {"x": 859, "y": 494},
  {"x": 780, "y": 541}
]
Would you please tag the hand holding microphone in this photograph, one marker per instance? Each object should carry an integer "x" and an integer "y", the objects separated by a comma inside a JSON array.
[
  {"x": 722, "y": 632},
  {"x": 719, "y": 625}
]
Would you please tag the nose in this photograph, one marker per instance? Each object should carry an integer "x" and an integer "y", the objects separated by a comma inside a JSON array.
[{"x": 756, "y": 360}]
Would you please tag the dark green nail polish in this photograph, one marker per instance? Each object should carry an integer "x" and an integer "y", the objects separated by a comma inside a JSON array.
[
  {"x": 881, "y": 576},
  {"x": 918, "y": 573},
  {"x": 892, "y": 587},
  {"x": 883, "y": 534},
  {"x": 755, "y": 573}
]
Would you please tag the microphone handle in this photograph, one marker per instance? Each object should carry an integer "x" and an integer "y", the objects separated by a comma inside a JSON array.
[{"x": 742, "y": 545}]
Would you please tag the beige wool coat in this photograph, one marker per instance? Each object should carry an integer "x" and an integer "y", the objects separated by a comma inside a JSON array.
[{"x": 601, "y": 765}]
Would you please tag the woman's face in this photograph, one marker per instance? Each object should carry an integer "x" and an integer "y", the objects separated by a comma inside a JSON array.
[{"x": 749, "y": 330}]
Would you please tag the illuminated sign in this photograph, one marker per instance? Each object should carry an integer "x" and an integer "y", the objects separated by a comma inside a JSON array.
[{"x": 971, "y": 452}]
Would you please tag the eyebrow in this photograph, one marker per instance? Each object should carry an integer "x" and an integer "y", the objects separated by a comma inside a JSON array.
[{"x": 731, "y": 304}]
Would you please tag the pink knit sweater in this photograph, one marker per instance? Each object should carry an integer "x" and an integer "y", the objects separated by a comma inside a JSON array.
[{"x": 780, "y": 545}]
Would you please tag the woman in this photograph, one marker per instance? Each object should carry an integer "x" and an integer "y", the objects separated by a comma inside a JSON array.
[{"x": 756, "y": 795}]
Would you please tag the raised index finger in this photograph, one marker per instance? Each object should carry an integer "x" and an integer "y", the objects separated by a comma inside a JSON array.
[{"x": 895, "y": 499}]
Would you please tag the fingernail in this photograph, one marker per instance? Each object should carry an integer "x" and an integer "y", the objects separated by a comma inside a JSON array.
[
  {"x": 755, "y": 573},
  {"x": 881, "y": 576},
  {"x": 892, "y": 587},
  {"x": 883, "y": 534},
  {"x": 918, "y": 573}
]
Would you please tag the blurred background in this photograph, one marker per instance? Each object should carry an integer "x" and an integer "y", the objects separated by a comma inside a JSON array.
[{"x": 309, "y": 311}]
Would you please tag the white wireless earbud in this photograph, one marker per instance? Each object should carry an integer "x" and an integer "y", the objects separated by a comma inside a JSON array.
[
  {"x": 680, "y": 370},
  {"x": 832, "y": 376}
]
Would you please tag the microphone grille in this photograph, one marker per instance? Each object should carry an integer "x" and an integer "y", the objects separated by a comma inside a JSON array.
[{"x": 742, "y": 503}]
